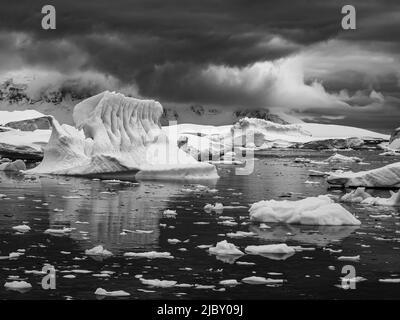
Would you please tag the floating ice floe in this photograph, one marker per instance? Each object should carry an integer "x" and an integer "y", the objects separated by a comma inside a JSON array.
[
  {"x": 355, "y": 196},
  {"x": 302, "y": 160},
  {"x": 117, "y": 134},
  {"x": 320, "y": 210},
  {"x": 339, "y": 158},
  {"x": 229, "y": 282},
  {"x": 390, "y": 153},
  {"x": 119, "y": 293},
  {"x": 149, "y": 255},
  {"x": 261, "y": 280},
  {"x": 241, "y": 234},
  {"x": 281, "y": 248},
  {"x": 21, "y": 286},
  {"x": 15, "y": 255},
  {"x": 62, "y": 231},
  {"x": 158, "y": 283},
  {"x": 349, "y": 258},
  {"x": 390, "y": 280},
  {"x": 225, "y": 248},
  {"x": 387, "y": 176},
  {"x": 218, "y": 207},
  {"x": 174, "y": 241},
  {"x": 98, "y": 251},
  {"x": 22, "y": 228},
  {"x": 360, "y": 196},
  {"x": 169, "y": 213}
]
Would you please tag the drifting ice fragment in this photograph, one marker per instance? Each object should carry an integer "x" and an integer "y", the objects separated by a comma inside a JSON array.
[
  {"x": 261, "y": 280},
  {"x": 22, "y": 228},
  {"x": 98, "y": 251},
  {"x": 18, "y": 286},
  {"x": 119, "y": 293},
  {"x": 319, "y": 210},
  {"x": 224, "y": 248},
  {"x": 148, "y": 255},
  {"x": 337, "y": 158},
  {"x": 158, "y": 283}
]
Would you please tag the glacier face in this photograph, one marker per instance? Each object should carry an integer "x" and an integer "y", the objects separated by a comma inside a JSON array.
[{"x": 115, "y": 134}]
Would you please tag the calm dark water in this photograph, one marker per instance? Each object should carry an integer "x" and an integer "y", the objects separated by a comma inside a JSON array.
[{"x": 100, "y": 210}]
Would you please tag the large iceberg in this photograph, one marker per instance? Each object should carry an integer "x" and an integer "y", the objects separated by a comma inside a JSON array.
[
  {"x": 118, "y": 136},
  {"x": 257, "y": 134},
  {"x": 320, "y": 210},
  {"x": 384, "y": 177}
]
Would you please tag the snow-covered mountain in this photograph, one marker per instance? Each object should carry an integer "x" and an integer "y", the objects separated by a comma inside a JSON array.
[
  {"x": 16, "y": 94},
  {"x": 217, "y": 116}
]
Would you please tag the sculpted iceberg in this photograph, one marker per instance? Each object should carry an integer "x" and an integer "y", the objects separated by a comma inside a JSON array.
[
  {"x": 118, "y": 136},
  {"x": 360, "y": 196},
  {"x": 387, "y": 176},
  {"x": 319, "y": 210}
]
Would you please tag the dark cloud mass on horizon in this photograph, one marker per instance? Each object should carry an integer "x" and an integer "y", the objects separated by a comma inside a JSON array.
[{"x": 288, "y": 55}]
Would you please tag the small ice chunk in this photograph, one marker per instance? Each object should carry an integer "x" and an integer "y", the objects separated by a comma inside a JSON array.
[
  {"x": 225, "y": 248},
  {"x": 22, "y": 228},
  {"x": 347, "y": 258},
  {"x": 98, "y": 251},
  {"x": 261, "y": 280},
  {"x": 174, "y": 241},
  {"x": 241, "y": 234},
  {"x": 390, "y": 280},
  {"x": 62, "y": 231},
  {"x": 119, "y": 293},
  {"x": 148, "y": 255},
  {"x": 158, "y": 283},
  {"x": 169, "y": 213},
  {"x": 17, "y": 285},
  {"x": 281, "y": 248}
]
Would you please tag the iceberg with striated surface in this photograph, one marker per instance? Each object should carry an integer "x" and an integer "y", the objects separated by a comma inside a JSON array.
[
  {"x": 387, "y": 176},
  {"x": 118, "y": 136}
]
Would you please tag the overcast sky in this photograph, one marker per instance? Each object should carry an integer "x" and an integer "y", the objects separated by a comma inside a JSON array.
[{"x": 286, "y": 55}]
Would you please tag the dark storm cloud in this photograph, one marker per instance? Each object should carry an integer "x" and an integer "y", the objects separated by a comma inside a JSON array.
[
  {"x": 164, "y": 46},
  {"x": 231, "y": 32}
]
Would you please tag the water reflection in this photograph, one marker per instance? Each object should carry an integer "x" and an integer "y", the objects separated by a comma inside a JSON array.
[
  {"x": 314, "y": 235},
  {"x": 117, "y": 215}
]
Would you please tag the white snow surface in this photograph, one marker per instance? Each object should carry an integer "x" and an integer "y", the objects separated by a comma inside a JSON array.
[
  {"x": 11, "y": 116},
  {"x": 320, "y": 210},
  {"x": 387, "y": 176},
  {"x": 116, "y": 134}
]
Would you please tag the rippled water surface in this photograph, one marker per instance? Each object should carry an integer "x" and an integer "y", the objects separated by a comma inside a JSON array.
[{"x": 128, "y": 217}]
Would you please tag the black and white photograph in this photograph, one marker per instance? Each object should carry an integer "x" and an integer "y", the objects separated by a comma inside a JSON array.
[{"x": 181, "y": 150}]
